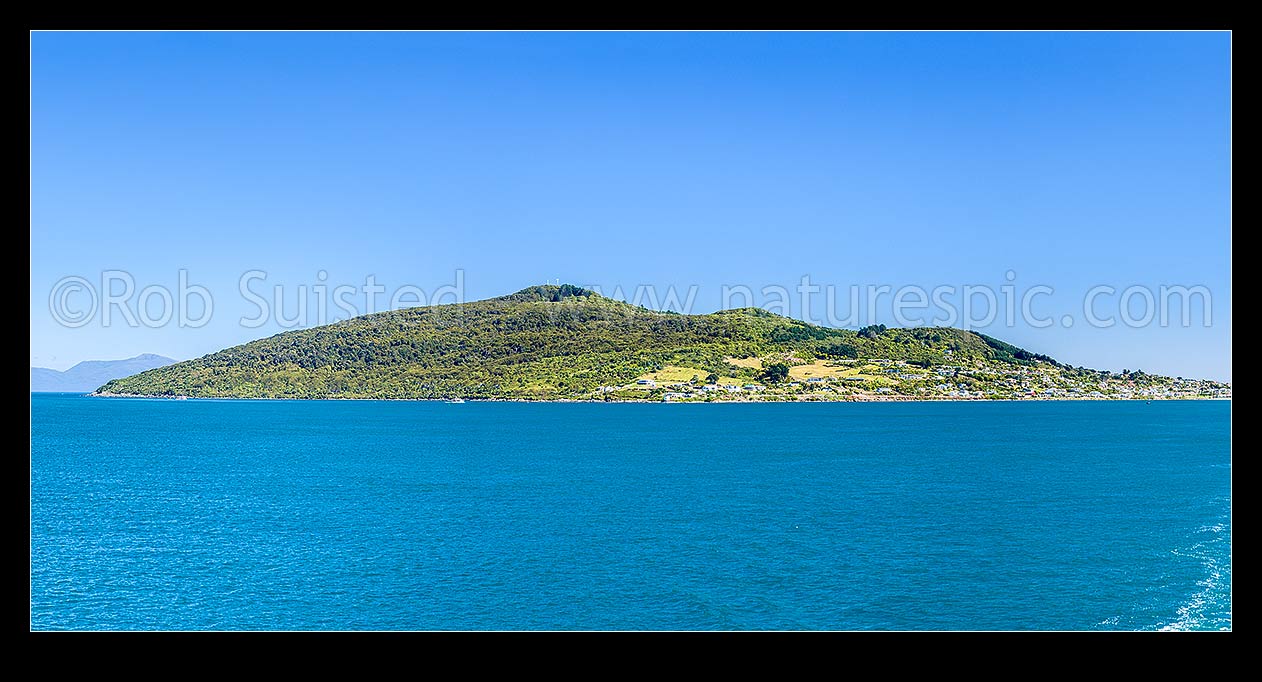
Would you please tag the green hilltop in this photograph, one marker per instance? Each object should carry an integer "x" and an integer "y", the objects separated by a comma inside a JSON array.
[{"x": 564, "y": 342}]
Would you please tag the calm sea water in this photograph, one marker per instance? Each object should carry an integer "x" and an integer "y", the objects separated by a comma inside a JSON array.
[{"x": 157, "y": 514}]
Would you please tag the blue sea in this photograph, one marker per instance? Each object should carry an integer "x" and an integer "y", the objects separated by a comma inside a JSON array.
[{"x": 279, "y": 515}]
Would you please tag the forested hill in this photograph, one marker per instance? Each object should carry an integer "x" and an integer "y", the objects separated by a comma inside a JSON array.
[{"x": 547, "y": 342}]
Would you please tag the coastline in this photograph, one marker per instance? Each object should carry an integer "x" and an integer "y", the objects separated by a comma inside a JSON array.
[{"x": 666, "y": 402}]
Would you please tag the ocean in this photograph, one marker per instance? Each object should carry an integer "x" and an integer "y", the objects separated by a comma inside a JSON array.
[{"x": 341, "y": 515}]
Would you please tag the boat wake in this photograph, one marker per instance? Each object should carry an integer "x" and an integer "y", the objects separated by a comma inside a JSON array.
[{"x": 1210, "y": 607}]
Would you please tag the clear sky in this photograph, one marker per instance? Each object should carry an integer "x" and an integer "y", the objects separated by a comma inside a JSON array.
[{"x": 621, "y": 159}]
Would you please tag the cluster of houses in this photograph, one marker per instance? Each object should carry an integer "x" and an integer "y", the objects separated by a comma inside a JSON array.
[
  {"x": 690, "y": 391},
  {"x": 682, "y": 390},
  {"x": 1028, "y": 382},
  {"x": 962, "y": 382}
]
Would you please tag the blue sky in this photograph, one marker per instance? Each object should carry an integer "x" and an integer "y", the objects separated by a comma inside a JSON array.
[{"x": 623, "y": 159}]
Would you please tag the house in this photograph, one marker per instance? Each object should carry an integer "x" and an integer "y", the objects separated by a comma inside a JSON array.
[
  {"x": 646, "y": 382},
  {"x": 752, "y": 387},
  {"x": 854, "y": 379},
  {"x": 673, "y": 396},
  {"x": 815, "y": 380}
]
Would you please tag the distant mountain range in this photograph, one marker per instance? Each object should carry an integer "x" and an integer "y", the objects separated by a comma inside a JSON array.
[{"x": 87, "y": 376}]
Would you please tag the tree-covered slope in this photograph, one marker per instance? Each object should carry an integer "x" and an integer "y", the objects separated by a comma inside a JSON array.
[{"x": 544, "y": 342}]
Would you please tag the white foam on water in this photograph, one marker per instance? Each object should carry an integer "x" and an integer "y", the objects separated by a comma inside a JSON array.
[{"x": 1193, "y": 613}]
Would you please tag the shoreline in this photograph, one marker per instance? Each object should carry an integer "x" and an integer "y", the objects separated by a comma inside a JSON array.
[{"x": 659, "y": 402}]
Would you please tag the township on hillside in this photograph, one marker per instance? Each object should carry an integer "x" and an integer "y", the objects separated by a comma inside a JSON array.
[{"x": 891, "y": 380}]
